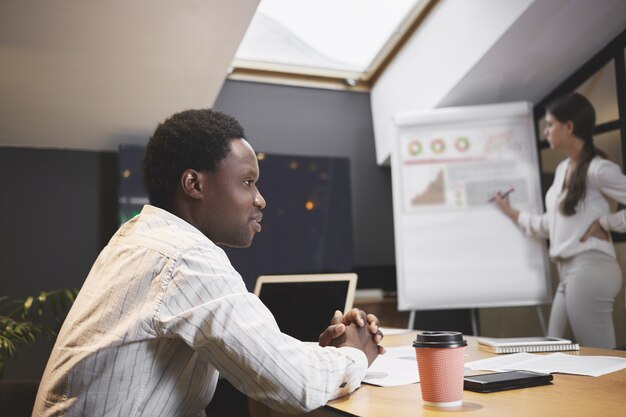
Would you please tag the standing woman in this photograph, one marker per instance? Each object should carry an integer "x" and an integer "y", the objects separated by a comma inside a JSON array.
[{"x": 577, "y": 222}]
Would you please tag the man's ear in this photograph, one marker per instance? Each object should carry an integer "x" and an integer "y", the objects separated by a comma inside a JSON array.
[{"x": 191, "y": 183}]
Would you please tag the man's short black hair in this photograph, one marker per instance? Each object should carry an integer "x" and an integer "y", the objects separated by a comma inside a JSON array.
[{"x": 196, "y": 139}]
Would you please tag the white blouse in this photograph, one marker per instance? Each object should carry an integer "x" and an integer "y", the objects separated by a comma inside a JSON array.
[{"x": 604, "y": 178}]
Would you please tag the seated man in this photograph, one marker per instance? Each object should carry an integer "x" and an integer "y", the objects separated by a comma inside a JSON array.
[{"x": 163, "y": 311}]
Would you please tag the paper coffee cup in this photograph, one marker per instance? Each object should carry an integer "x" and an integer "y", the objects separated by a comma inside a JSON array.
[{"x": 440, "y": 361}]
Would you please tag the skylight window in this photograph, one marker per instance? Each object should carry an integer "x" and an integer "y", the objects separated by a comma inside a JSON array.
[{"x": 327, "y": 38}]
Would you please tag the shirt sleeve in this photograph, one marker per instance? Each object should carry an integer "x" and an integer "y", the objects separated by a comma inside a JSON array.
[
  {"x": 207, "y": 305},
  {"x": 611, "y": 182},
  {"x": 534, "y": 225}
]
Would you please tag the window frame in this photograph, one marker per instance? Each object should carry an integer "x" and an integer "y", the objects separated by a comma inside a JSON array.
[{"x": 245, "y": 70}]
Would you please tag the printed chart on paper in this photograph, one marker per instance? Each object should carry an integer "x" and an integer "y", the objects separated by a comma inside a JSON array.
[{"x": 454, "y": 169}]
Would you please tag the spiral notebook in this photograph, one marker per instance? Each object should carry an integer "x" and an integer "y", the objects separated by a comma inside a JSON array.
[{"x": 526, "y": 344}]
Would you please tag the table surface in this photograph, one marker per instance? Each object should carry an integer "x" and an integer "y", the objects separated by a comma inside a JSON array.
[{"x": 569, "y": 395}]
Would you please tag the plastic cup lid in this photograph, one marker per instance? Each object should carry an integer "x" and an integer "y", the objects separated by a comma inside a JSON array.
[{"x": 439, "y": 339}]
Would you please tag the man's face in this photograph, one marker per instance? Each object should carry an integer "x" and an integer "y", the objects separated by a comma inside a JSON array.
[{"x": 231, "y": 204}]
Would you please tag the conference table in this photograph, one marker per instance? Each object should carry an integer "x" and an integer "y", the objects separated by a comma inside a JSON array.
[{"x": 569, "y": 395}]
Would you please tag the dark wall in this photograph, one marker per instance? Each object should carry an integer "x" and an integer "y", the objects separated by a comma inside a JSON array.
[
  {"x": 307, "y": 121},
  {"x": 57, "y": 210}
]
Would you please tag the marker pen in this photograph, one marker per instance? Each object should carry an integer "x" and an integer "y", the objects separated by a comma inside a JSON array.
[{"x": 502, "y": 195}]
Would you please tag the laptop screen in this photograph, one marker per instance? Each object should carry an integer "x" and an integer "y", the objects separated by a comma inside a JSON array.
[{"x": 304, "y": 304}]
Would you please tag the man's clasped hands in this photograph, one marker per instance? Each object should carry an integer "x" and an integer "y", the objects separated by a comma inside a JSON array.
[{"x": 354, "y": 329}]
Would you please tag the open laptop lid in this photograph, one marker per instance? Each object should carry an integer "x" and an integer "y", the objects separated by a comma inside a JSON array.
[{"x": 304, "y": 304}]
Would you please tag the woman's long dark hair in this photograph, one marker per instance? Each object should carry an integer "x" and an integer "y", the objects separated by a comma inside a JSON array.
[{"x": 577, "y": 109}]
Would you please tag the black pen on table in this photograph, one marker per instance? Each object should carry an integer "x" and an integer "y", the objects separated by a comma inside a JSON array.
[{"x": 502, "y": 195}]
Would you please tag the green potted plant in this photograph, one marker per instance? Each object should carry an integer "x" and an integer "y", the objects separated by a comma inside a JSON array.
[{"x": 22, "y": 321}]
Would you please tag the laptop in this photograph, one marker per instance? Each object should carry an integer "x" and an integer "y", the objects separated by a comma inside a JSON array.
[{"x": 304, "y": 304}]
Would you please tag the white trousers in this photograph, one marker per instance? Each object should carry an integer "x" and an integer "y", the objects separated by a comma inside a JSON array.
[{"x": 588, "y": 285}]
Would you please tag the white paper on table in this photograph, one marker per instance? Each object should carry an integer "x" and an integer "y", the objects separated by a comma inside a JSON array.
[
  {"x": 397, "y": 366},
  {"x": 555, "y": 362},
  {"x": 388, "y": 331}
]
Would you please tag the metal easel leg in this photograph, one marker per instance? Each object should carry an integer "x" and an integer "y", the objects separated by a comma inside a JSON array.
[
  {"x": 473, "y": 314},
  {"x": 542, "y": 322},
  {"x": 411, "y": 320}
]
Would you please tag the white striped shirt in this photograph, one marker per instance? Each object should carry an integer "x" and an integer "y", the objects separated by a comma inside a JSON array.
[{"x": 161, "y": 313}]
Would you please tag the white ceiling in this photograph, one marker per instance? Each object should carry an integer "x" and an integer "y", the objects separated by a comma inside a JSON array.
[
  {"x": 93, "y": 74},
  {"x": 549, "y": 41}
]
